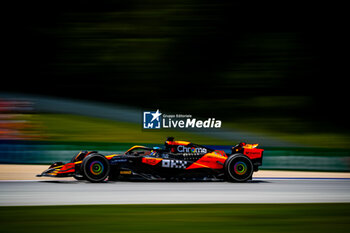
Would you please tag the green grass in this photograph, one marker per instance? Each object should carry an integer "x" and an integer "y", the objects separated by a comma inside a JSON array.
[
  {"x": 178, "y": 218},
  {"x": 73, "y": 128}
]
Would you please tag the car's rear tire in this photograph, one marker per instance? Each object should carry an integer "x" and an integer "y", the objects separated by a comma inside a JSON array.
[
  {"x": 95, "y": 168},
  {"x": 238, "y": 168}
]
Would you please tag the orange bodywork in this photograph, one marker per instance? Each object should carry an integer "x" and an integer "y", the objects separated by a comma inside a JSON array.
[
  {"x": 151, "y": 160},
  {"x": 253, "y": 153},
  {"x": 67, "y": 168},
  {"x": 213, "y": 160},
  {"x": 177, "y": 143}
]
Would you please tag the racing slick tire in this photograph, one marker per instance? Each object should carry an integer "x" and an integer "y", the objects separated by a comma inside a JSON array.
[
  {"x": 95, "y": 168},
  {"x": 238, "y": 168}
]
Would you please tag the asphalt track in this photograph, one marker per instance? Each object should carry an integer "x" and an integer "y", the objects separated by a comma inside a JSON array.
[{"x": 259, "y": 190}]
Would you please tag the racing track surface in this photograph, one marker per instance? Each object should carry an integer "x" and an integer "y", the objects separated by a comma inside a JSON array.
[{"x": 260, "y": 190}]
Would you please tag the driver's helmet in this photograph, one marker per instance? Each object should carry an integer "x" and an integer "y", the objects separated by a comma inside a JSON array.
[{"x": 154, "y": 152}]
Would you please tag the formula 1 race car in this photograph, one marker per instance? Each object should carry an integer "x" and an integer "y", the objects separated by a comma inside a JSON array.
[{"x": 178, "y": 160}]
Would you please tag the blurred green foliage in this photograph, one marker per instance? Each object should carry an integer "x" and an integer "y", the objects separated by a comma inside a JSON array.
[{"x": 178, "y": 218}]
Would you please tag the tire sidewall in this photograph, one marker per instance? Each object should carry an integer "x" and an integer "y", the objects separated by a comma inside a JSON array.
[
  {"x": 85, "y": 167},
  {"x": 229, "y": 171}
]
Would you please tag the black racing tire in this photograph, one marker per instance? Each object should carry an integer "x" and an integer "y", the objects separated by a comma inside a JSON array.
[
  {"x": 95, "y": 168},
  {"x": 238, "y": 168}
]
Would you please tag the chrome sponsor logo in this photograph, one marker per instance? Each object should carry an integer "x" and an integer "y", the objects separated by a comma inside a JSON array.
[{"x": 185, "y": 149}]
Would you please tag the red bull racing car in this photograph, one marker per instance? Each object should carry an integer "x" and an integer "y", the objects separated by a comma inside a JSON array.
[{"x": 178, "y": 160}]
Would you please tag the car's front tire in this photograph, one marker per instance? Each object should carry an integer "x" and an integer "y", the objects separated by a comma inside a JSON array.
[
  {"x": 238, "y": 168},
  {"x": 95, "y": 168}
]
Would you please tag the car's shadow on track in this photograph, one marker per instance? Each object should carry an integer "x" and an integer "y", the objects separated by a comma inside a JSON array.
[
  {"x": 60, "y": 181},
  {"x": 258, "y": 181},
  {"x": 150, "y": 181}
]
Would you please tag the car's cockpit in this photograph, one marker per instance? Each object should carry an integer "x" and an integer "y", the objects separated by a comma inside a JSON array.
[{"x": 145, "y": 151}]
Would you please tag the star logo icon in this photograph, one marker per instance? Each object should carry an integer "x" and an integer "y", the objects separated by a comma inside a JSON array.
[
  {"x": 156, "y": 115},
  {"x": 152, "y": 119}
]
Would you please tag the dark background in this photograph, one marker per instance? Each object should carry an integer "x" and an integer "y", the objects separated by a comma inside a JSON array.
[{"x": 223, "y": 59}]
